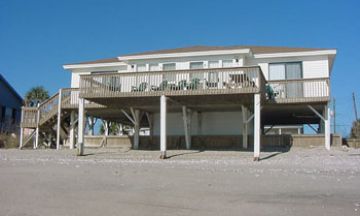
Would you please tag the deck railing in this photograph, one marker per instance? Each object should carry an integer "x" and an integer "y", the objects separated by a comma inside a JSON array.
[
  {"x": 177, "y": 82},
  {"x": 29, "y": 117},
  {"x": 49, "y": 108},
  {"x": 70, "y": 99},
  {"x": 300, "y": 90}
]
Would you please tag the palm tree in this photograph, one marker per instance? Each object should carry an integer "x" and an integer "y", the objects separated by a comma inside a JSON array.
[{"x": 36, "y": 95}]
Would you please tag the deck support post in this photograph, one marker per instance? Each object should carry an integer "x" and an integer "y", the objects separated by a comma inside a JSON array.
[
  {"x": 72, "y": 130},
  {"x": 163, "y": 126},
  {"x": 36, "y": 144},
  {"x": 21, "y": 130},
  {"x": 257, "y": 122},
  {"x": 136, "y": 118},
  {"x": 187, "y": 126},
  {"x": 150, "y": 118},
  {"x": 326, "y": 120},
  {"x": 81, "y": 126},
  {"x": 327, "y": 127},
  {"x": 245, "y": 114},
  {"x": 21, "y": 137},
  {"x": 91, "y": 122},
  {"x": 58, "y": 127},
  {"x": 106, "y": 127}
]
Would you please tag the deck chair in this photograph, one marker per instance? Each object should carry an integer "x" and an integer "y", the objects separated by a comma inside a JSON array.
[
  {"x": 142, "y": 87},
  {"x": 180, "y": 86},
  {"x": 194, "y": 84},
  {"x": 162, "y": 87},
  {"x": 270, "y": 93}
]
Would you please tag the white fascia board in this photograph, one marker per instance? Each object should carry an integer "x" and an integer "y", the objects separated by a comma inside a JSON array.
[
  {"x": 75, "y": 66},
  {"x": 296, "y": 54},
  {"x": 185, "y": 54}
]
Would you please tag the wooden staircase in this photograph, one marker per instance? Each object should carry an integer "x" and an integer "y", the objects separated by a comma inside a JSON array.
[{"x": 45, "y": 116}]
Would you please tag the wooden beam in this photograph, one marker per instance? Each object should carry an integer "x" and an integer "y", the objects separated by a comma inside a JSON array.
[
  {"x": 128, "y": 116},
  {"x": 58, "y": 120},
  {"x": 257, "y": 123},
  {"x": 327, "y": 127},
  {"x": 81, "y": 126},
  {"x": 316, "y": 112},
  {"x": 37, "y": 130},
  {"x": 72, "y": 129},
  {"x": 163, "y": 126},
  {"x": 136, "y": 128},
  {"x": 187, "y": 126},
  {"x": 21, "y": 129}
]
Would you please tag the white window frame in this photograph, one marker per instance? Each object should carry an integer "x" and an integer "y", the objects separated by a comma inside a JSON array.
[
  {"x": 142, "y": 65},
  {"x": 218, "y": 63},
  {"x": 227, "y": 60},
  {"x": 192, "y": 62},
  {"x": 162, "y": 65}
]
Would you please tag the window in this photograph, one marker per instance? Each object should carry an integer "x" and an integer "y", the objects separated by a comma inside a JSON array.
[
  {"x": 285, "y": 71},
  {"x": 213, "y": 64},
  {"x": 227, "y": 63},
  {"x": 196, "y": 65},
  {"x": 123, "y": 68},
  {"x": 154, "y": 67},
  {"x": 141, "y": 67},
  {"x": 169, "y": 66},
  {"x": 170, "y": 77},
  {"x": 276, "y": 72}
]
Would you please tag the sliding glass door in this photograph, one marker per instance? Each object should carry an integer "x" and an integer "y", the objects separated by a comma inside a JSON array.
[
  {"x": 291, "y": 73},
  {"x": 294, "y": 89}
]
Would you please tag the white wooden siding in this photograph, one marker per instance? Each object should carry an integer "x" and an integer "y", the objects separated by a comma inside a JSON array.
[
  {"x": 313, "y": 66},
  {"x": 316, "y": 68}
]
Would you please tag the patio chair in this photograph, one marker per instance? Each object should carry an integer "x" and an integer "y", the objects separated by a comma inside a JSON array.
[
  {"x": 194, "y": 84},
  {"x": 162, "y": 87},
  {"x": 142, "y": 87},
  {"x": 270, "y": 93},
  {"x": 182, "y": 84}
]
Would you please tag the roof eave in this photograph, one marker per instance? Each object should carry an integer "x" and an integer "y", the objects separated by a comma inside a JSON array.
[
  {"x": 185, "y": 54},
  {"x": 92, "y": 65},
  {"x": 295, "y": 54}
]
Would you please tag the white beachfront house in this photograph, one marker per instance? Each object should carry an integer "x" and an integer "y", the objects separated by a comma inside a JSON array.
[{"x": 193, "y": 97}]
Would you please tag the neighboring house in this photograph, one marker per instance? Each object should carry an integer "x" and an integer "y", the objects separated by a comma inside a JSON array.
[
  {"x": 10, "y": 107},
  {"x": 202, "y": 94}
]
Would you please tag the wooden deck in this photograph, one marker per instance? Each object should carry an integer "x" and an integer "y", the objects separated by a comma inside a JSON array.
[
  {"x": 240, "y": 80},
  {"x": 299, "y": 91},
  {"x": 202, "y": 89}
]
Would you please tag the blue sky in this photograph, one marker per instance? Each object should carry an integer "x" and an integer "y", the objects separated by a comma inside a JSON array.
[{"x": 38, "y": 37}]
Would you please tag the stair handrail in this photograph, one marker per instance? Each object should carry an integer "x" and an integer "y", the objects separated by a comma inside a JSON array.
[{"x": 42, "y": 107}]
